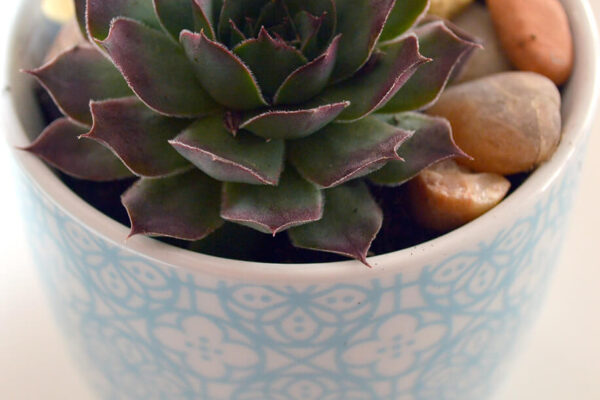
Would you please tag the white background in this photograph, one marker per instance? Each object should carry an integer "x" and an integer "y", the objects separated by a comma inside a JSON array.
[{"x": 560, "y": 361}]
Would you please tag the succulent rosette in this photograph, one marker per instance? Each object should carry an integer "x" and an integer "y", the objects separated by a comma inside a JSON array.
[{"x": 266, "y": 113}]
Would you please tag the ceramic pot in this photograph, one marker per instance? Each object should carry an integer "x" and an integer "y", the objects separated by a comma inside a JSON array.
[{"x": 436, "y": 321}]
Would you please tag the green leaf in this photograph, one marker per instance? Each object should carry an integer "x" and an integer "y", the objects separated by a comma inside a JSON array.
[
  {"x": 175, "y": 15},
  {"x": 350, "y": 223},
  {"x": 271, "y": 60},
  {"x": 360, "y": 22},
  {"x": 158, "y": 71},
  {"x": 59, "y": 145},
  {"x": 101, "y": 13},
  {"x": 446, "y": 48},
  {"x": 184, "y": 206},
  {"x": 296, "y": 124},
  {"x": 244, "y": 158},
  {"x": 378, "y": 81},
  {"x": 308, "y": 80},
  {"x": 431, "y": 142},
  {"x": 80, "y": 7},
  {"x": 341, "y": 152},
  {"x": 138, "y": 136},
  {"x": 236, "y": 11},
  {"x": 222, "y": 73},
  {"x": 404, "y": 15},
  {"x": 205, "y": 15},
  {"x": 325, "y": 9},
  {"x": 273, "y": 209},
  {"x": 78, "y": 76},
  {"x": 308, "y": 27}
]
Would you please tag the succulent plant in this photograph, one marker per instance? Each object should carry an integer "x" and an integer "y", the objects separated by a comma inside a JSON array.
[{"x": 272, "y": 114}]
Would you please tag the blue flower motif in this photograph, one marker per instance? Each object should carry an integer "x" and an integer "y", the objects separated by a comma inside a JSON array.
[{"x": 436, "y": 332}]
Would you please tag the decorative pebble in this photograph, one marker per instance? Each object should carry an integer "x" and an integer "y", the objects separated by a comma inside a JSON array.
[
  {"x": 476, "y": 20},
  {"x": 447, "y": 8},
  {"x": 446, "y": 195},
  {"x": 508, "y": 122},
  {"x": 536, "y": 36}
]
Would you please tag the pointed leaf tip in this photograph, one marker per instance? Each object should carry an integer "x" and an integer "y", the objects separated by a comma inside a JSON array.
[
  {"x": 244, "y": 158},
  {"x": 138, "y": 136},
  {"x": 77, "y": 76},
  {"x": 374, "y": 85},
  {"x": 278, "y": 124},
  {"x": 341, "y": 152},
  {"x": 310, "y": 79},
  {"x": 431, "y": 142},
  {"x": 59, "y": 145},
  {"x": 273, "y": 209},
  {"x": 270, "y": 76},
  {"x": 359, "y": 38},
  {"x": 350, "y": 223},
  {"x": 225, "y": 77},
  {"x": 159, "y": 73},
  {"x": 184, "y": 206},
  {"x": 447, "y": 49}
]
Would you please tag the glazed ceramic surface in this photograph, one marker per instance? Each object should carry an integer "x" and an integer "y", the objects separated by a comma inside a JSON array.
[{"x": 437, "y": 321}]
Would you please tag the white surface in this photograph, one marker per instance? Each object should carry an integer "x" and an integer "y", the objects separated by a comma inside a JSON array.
[{"x": 561, "y": 360}]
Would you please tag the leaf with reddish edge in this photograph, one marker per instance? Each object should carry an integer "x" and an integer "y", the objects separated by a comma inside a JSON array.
[
  {"x": 80, "y": 6},
  {"x": 308, "y": 27},
  {"x": 174, "y": 15},
  {"x": 279, "y": 124},
  {"x": 431, "y": 142},
  {"x": 361, "y": 23},
  {"x": 138, "y": 136},
  {"x": 59, "y": 145},
  {"x": 378, "y": 81},
  {"x": 273, "y": 209},
  {"x": 404, "y": 15},
  {"x": 308, "y": 80},
  {"x": 222, "y": 73},
  {"x": 78, "y": 75},
  {"x": 184, "y": 206},
  {"x": 350, "y": 223},
  {"x": 285, "y": 59},
  {"x": 341, "y": 152},
  {"x": 244, "y": 158},
  {"x": 325, "y": 9},
  {"x": 446, "y": 49},
  {"x": 236, "y": 11},
  {"x": 158, "y": 71},
  {"x": 205, "y": 13},
  {"x": 101, "y": 13}
]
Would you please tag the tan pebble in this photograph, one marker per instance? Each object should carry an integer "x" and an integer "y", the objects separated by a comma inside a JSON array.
[
  {"x": 476, "y": 20},
  {"x": 446, "y": 195},
  {"x": 447, "y": 8},
  {"x": 69, "y": 36},
  {"x": 536, "y": 36},
  {"x": 508, "y": 122}
]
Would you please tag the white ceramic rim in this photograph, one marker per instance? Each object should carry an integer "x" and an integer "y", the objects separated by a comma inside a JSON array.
[{"x": 576, "y": 125}]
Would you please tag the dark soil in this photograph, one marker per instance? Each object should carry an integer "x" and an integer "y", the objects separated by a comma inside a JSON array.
[{"x": 399, "y": 231}]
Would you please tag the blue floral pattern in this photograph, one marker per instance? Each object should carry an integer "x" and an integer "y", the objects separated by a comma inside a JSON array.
[{"x": 154, "y": 332}]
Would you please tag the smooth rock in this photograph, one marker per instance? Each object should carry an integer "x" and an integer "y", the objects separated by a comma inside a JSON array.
[
  {"x": 476, "y": 20},
  {"x": 535, "y": 35},
  {"x": 446, "y": 195},
  {"x": 508, "y": 122},
  {"x": 68, "y": 37},
  {"x": 447, "y": 8}
]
